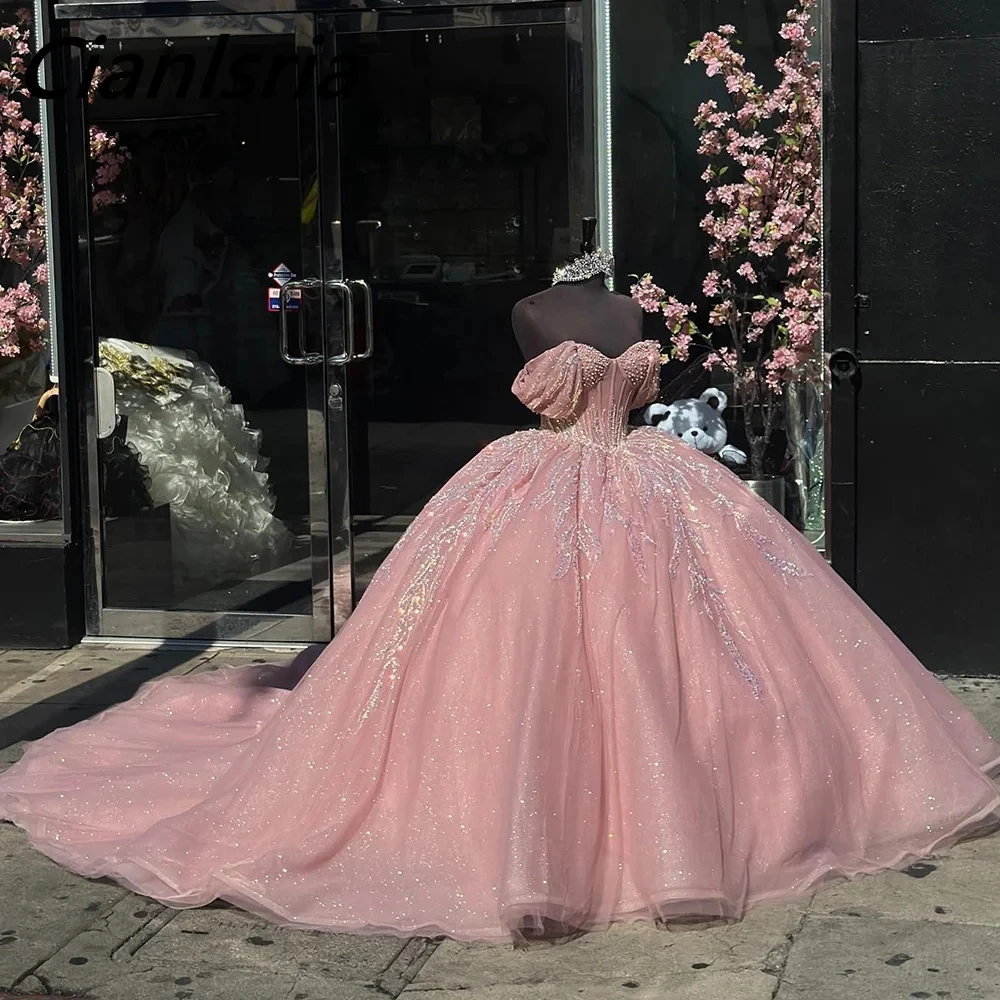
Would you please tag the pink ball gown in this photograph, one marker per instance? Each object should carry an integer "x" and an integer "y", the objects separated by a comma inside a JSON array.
[{"x": 598, "y": 680}]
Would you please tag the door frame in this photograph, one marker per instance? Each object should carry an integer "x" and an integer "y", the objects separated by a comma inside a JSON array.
[
  {"x": 251, "y": 9},
  {"x": 208, "y": 627},
  {"x": 840, "y": 211}
]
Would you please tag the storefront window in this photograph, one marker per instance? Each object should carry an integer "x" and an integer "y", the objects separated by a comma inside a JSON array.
[
  {"x": 30, "y": 490},
  {"x": 732, "y": 263},
  {"x": 31, "y": 474}
]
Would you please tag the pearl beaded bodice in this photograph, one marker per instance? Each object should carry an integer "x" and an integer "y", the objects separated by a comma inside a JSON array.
[{"x": 581, "y": 392}]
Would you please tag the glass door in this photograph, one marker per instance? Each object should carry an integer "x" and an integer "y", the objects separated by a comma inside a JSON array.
[
  {"x": 457, "y": 161},
  {"x": 210, "y": 495},
  {"x": 302, "y": 268}
]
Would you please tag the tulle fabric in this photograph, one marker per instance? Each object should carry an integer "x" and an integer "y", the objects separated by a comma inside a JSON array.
[
  {"x": 597, "y": 680},
  {"x": 31, "y": 471},
  {"x": 30, "y": 481},
  {"x": 204, "y": 460}
]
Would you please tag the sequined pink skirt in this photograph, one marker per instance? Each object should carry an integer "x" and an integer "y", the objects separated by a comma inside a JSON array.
[{"x": 591, "y": 684}]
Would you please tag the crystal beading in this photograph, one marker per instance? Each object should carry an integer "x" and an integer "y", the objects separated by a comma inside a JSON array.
[{"x": 585, "y": 267}]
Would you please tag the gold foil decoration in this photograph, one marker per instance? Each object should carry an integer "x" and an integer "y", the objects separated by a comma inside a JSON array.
[{"x": 157, "y": 375}]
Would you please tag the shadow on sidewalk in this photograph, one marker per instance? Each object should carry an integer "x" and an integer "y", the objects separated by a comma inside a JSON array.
[{"x": 94, "y": 695}]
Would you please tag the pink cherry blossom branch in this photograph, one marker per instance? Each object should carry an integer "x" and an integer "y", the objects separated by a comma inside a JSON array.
[
  {"x": 764, "y": 225},
  {"x": 23, "y": 268}
]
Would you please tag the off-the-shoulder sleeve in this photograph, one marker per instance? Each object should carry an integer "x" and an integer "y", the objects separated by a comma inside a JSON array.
[{"x": 551, "y": 384}]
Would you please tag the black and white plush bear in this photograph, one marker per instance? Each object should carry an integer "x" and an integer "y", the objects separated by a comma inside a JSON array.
[{"x": 698, "y": 422}]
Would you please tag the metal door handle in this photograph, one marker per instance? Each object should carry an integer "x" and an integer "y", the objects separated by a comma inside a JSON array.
[
  {"x": 366, "y": 294},
  {"x": 283, "y": 294},
  {"x": 107, "y": 410},
  {"x": 348, "y": 305}
]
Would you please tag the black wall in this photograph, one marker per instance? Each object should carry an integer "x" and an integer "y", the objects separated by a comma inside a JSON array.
[
  {"x": 42, "y": 595},
  {"x": 928, "y": 248},
  {"x": 659, "y": 197}
]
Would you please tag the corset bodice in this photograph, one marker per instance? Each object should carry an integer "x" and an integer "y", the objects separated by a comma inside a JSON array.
[{"x": 579, "y": 391}]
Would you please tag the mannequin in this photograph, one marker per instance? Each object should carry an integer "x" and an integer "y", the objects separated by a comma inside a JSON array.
[{"x": 579, "y": 306}]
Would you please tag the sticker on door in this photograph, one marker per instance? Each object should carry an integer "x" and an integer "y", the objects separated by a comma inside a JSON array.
[{"x": 274, "y": 299}]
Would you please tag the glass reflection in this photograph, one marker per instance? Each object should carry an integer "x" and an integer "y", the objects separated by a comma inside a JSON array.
[
  {"x": 181, "y": 276},
  {"x": 468, "y": 147}
]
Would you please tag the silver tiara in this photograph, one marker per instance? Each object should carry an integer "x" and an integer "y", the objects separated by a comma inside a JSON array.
[{"x": 585, "y": 267}]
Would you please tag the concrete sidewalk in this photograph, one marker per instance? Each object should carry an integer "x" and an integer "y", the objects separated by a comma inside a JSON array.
[{"x": 930, "y": 932}]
